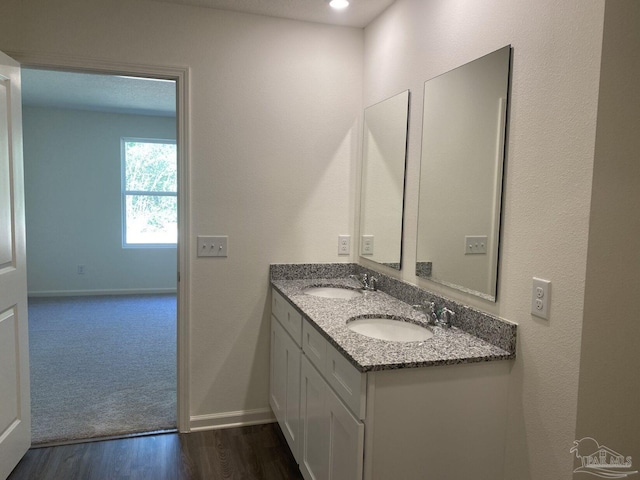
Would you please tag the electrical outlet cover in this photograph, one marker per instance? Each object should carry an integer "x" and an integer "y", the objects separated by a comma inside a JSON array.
[
  {"x": 540, "y": 298},
  {"x": 367, "y": 245},
  {"x": 344, "y": 244}
]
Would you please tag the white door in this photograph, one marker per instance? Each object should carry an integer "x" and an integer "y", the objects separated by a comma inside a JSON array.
[{"x": 15, "y": 414}]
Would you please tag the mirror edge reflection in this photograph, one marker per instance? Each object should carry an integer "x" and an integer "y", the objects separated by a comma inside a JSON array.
[
  {"x": 393, "y": 260},
  {"x": 424, "y": 268}
]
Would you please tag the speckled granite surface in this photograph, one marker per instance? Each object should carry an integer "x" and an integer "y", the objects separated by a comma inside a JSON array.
[
  {"x": 296, "y": 271},
  {"x": 393, "y": 300}
]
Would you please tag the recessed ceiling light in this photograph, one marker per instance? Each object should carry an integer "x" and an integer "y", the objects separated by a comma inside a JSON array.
[{"x": 339, "y": 4}]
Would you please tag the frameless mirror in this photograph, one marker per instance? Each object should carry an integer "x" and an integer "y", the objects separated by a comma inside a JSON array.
[
  {"x": 383, "y": 168},
  {"x": 463, "y": 137}
]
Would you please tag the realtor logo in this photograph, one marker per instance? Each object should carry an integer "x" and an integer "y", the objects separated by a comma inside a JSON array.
[{"x": 600, "y": 461}]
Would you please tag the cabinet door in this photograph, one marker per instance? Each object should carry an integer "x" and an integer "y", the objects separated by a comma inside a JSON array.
[
  {"x": 314, "y": 431},
  {"x": 346, "y": 441},
  {"x": 332, "y": 439},
  {"x": 285, "y": 384},
  {"x": 277, "y": 382}
]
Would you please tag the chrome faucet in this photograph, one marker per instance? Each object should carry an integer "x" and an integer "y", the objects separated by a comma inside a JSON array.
[
  {"x": 368, "y": 282},
  {"x": 446, "y": 316},
  {"x": 440, "y": 318},
  {"x": 430, "y": 311}
]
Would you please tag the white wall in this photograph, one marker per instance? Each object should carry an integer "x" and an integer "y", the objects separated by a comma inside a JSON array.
[
  {"x": 74, "y": 213},
  {"x": 274, "y": 115},
  {"x": 556, "y": 59},
  {"x": 609, "y": 381}
]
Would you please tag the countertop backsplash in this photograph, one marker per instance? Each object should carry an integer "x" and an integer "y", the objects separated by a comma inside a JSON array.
[{"x": 487, "y": 327}]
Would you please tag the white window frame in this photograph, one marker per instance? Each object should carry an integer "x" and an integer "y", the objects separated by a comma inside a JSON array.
[{"x": 125, "y": 192}]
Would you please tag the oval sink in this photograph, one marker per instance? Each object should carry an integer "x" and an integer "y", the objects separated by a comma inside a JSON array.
[
  {"x": 392, "y": 330},
  {"x": 333, "y": 292}
]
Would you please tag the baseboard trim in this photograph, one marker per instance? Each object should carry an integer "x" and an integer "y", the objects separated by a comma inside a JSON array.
[
  {"x": 81, "y": 293},
  {"x": 241, "y": 418}
]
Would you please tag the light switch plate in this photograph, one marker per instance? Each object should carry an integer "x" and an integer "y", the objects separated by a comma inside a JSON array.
[
  {"x": 212, "y": 245},
  {"x": 475, "y": 244}
]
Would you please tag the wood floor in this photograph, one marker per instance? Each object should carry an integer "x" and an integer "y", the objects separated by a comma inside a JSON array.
[{"x": 255, "y": 452}]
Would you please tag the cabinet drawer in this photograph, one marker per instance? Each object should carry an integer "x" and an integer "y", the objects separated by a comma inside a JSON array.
[
  {"x": 314, "y": 345},
  {"x": 345, "y": 379},
  {"x": 288, "y": 316},
  {"x": 348, "y": 382}
]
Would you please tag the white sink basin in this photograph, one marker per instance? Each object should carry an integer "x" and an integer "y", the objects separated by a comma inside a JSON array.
[
  {"x": 333, "y": 292},
  {"x": 389, "y": 329}
]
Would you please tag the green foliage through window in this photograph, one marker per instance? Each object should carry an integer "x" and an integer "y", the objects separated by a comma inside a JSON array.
[{"x": 150, "y": 187}]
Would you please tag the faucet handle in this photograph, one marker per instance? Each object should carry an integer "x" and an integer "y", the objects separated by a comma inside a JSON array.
[
  {"x": 363, "y": 280},
  {"x": 446, "y": 316},
  {"x": 430, "y": 311},
  {"x": 425, "y": 306}
]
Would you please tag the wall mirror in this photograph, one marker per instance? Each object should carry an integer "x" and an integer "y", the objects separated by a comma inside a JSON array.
[
  {"x": 383, "y": 168},
  {"x": 463, "y": 141}
]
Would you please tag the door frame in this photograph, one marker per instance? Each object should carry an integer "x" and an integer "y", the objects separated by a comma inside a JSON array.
[{"x": 181, "y": 76}]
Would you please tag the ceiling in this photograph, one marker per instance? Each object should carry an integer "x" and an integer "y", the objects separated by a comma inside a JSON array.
[
  {"x": 103, "y": 93},
  {"x": 358, "y": 14},
  {"x": 116, "y": 94}
]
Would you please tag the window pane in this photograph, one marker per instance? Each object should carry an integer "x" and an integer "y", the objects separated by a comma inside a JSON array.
[
  {"x": 150, "y": 167},
  {"x": 151, "y": 219}
]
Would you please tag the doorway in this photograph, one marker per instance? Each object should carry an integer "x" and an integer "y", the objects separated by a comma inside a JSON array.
[{"x": 91, "y": 279}]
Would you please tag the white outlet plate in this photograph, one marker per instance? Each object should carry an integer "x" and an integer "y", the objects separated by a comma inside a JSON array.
[
  {"x": 212, "y": 246},
  {"x": 540, "y": 298},
  {"x": 475, "y": 244},
  {"x": 367, "y": 245},
  {"x": 344, "y": 244}
]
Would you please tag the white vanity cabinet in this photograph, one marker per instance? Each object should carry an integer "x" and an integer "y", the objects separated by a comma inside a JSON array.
[
  {"x": 332, "y": 437},
  {"x": 433, "y": 423},
  {"x": 284, "y": 394}
]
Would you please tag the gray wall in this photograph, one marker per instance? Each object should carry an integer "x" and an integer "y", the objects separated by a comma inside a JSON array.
[{"x": 73, "y": 204}]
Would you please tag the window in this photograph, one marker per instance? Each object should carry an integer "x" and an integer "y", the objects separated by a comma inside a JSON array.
[{"x": 149, "y": 192}]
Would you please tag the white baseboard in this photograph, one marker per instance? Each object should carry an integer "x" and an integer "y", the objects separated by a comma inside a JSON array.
[
  {"x": 79, "y": 293},
  {"x": 241, "y": 418}
]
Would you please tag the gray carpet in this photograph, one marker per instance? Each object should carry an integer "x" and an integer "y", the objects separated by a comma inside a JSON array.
[{"x": 102, "y": 366}]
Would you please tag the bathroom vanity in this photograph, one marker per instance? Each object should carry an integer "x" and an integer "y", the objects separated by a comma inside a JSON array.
[{"x": 355, "y": 407}]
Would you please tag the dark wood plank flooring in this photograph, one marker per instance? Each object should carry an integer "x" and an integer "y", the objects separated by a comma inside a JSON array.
[{"x": 255, "y": 452}]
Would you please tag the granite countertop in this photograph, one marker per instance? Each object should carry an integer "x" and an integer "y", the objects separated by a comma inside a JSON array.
[{"x": 329, "y": 316}]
